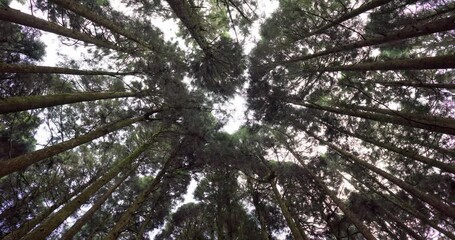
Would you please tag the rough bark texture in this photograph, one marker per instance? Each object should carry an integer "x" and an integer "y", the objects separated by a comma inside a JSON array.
[
  {"x": 15, "y": 16},
  {"x": 20, "y": 162},
  {"x": 431, "y": 200},
  {"x": 126, "y": 217},
  {"x": 349, "y": 214},
  {"x": 100, "y": 20},
  {"x": 22, "y": 103},
  {"x": 51, "y": 223},
  {"x": 24, "y": 68}
]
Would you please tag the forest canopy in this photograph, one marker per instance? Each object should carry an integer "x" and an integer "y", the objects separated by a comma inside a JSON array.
[{"x": 349, "y": 131}]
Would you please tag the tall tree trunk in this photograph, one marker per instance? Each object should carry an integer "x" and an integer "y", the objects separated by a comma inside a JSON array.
[
  {"x": 30, "y": 224},
  {"x": 57, "y": 218},
  {"x": 22, "y": 161},
  {"x": 438, "y": 62},
  {"x": 22, "y": 103},
  {"x": 126, "y": 217},
  {"x": 15, "y": 16},
  {"x": 287, "y": 215},
  {"x": 431, "y": 200},
  {"x": 259, "y": 211},
  {"x": 402, "y": 225},
  {"x": 409, "y": 154},
  {"x": 412, "y": 31},
  {"x": 26, "y": 68},
  {"x": 102, "y": 21},
  {"x": 447, "y": 128},
  {"x": 349, "y": 214},
  {"x": 77, "y": 226},
  {"x": 415, "y": 84},
  {"x": 351, "y": 14}
]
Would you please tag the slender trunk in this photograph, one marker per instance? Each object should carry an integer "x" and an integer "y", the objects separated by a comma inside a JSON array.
[
  {"x": 22, "y": 161},
  {"x": 409, "y": 154},
  {"x": 77, "y": 226},
  {"x": 30, "y": 224},
  {"x": 384, "y": 227},
  {"x": 15, "y": 16},
  {"x": 402, "y": 225},
  {"x": 448, "y": 128},
  {"x": 438, "y": 62},
  {"x": 349, "y": 214},
  {"x": 416, "y": 84},
  {"x": 22, "y": 103},
  {"x": 355, "y": 12},
  {"x": 409, "y": 209},
  {"x": 259, "y": 212},
  {"x": 51, "y": 223},
  {"x": 139, "y": 200},
  {"x": 287, "y": 215},
  {"x": 412, "y": 31},
  {"x": 25, "y": 68},
  {"x": 431, "y": 200},
  {"x": 102, "y": 21}
]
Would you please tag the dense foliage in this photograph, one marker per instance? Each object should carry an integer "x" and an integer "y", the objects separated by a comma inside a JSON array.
[{"x": 349, "y": 131}]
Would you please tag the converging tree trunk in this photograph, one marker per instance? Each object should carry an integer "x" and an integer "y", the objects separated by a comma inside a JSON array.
[
  {"x": 22, "y": 103},
  {"x": 15, "y": 16},
  {"x": 102, "y": 21},
  {"x": 126, "y": 217},
  {"x": 431, "y": 200},
  {"x": 22, "y": 161},
  {"x": 23, "y": 68},
  {"x": 57, "y": 218}
]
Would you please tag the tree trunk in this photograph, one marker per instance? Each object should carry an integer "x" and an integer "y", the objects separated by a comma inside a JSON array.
[
  {"x": 26, "y": 68},
  {"x": 366, "y": 7},
  {"x": 21, "y": 162},
  {"x": 22, "y": 103},
  {"x": 412, "y": 31},
  {"x": 287, "y": 215},
  {"x": 51, "y": 223},
  {"x": 438, "y": 62},
  {"x": 15, "y": 16},
  {"x": 259, "y": 212},
  {"x": 126, "y": 217},
  {"x": 30, "y": 224},
  {"x": 402, "y": 225},
  {"x": 415, "y": 84},
  {"x": 102, "y": 21},
  {"x": 77, "y": 226},
  {"x": 349, "y": 214},
  {"x": 409, "y": 154},
  {"x": 448, "y": 128},
  {"x": 431, "y": 200}
]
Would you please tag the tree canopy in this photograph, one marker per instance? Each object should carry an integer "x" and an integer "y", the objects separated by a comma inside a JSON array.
[{"x": 349, "y": 131}]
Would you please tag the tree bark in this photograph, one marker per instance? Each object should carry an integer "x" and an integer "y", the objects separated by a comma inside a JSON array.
[
  {"x": 21, "y": 162},
  {"x": 422, "y": 123},
  {"x": 51, "y": 223},
  {"x": 287, "y": 215},
  {"x": 416, "y": 84},
  {"x": 409, "y": 154},
  {"x": 259, "y": 212},
  {"x": 77, "y": 226},
  {"x": 22, "y": 103},
  {"x": 440, "y": 25},
  {"x": 15, "y": 16},
  {"x": 349, "y": 214},
  {"x": 26, "y": 68},
  {"x": 364, "y": 8},
  {"x": 431, "y": 200},
  {"x": 102, "y": 21},
  {"x": 126, "y": 217},
  {"x": 30, "y": 224},
  {"x": 438, "y": 62}
]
